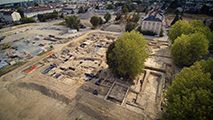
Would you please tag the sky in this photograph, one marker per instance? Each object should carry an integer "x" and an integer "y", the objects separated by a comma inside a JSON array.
[{"x": 11, "y": 1}]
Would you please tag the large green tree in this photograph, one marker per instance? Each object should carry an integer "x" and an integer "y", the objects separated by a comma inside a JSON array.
[
  {"x": 73, "y": 22},
  {"x": 95, "y": 21},
  {"x": 190, "y": 96},
  {"x": 189, "y": 48},
  {"x": 126, "y": 56},
  {"x": 181, "y": 27},
  {"x": 107, "y": 16}
]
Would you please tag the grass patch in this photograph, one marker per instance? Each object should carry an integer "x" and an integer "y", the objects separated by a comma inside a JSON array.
[
  {"x": 65, "y": 41},
  {"x": 12, "y": 67}
]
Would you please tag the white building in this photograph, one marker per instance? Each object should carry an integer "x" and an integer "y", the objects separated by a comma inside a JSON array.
[
  {"x": 35, "y": 13},
  {"x": 10, "y": 16},
  {"x": 72, "y": 31},
  {"x": 154, "y": 21}
]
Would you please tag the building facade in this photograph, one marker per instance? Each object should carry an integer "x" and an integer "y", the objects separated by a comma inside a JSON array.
[
  {"x": 10, "y": 16},
  {"x": 154, "y": 21}
]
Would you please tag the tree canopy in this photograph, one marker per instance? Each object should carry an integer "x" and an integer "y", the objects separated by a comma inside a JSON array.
[
  {"x": 44, "y": 17},
  {"x": 118, "y": 16},
  {"x": 27, "y": 20},
  {"x": 94, "y": 21},
  {"x": 190, "y": 96},
  {"x": 125, "y": 10},
  {"x": 135, "y": 17},
  {"x": 130, "y": 26},
  {"x": 73, "y": 22},
  {"x": 181, "y": 27},
  {"x": 107, "y": 16},
  {"x": 126, "y": 56},
  {"x": 82, "y": 10},
  {"x": 100, "y": 21},
  {"x": 109, "y": 6},
  {"x": 147, "y": 10},
  {"x": 21, "y": 12},
  {"x": 97, "y": 7},
  {"x": 161, "y": 33},
  {"x": 1, "y": 25},
  {"x": 207, "y": 66},
  {"x": 189, "y": 48}
]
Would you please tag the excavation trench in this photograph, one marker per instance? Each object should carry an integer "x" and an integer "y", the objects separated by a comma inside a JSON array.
[{"x": 45, "y": 91}]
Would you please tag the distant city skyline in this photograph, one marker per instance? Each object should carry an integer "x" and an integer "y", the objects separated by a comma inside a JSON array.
[{"x": 11, "y": 1}]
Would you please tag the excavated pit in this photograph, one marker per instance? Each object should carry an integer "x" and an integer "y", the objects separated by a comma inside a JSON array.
[{"x": 45, "y": 91}]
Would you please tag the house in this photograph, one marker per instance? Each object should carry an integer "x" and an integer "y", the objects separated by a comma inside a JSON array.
[
  {"x": 154, "y": 21},
  {"x": 10, "y": 16}
]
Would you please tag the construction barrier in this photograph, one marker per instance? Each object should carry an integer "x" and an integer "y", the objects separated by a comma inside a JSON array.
[
  {"x": 30, "y": 69},
  {"x": 52, "y": 53}
]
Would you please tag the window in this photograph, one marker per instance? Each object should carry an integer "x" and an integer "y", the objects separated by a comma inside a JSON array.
[
  {"x": 149, "y": 23},
  {"x": 144, "y": 23},
  {"x": 153, "y": 24}
]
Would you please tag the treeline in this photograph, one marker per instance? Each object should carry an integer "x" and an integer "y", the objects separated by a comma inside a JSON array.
[
  {"x": 45, "y": 17},
  {"x": 190, "y": 95},
  {"x": 26, "y": 20}
]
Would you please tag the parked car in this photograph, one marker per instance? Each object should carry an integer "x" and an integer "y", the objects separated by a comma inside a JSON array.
[{"x": 2, "y": 37}]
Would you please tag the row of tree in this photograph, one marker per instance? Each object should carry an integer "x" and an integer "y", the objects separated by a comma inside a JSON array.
[
  {"x": 190, "y": 96},
  {"x": 45, "y": 17},
  {"x": 27, "y": 20},
  {"x": 190, "y": 40}
]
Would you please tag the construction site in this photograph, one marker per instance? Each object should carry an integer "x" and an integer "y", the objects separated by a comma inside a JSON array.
[{"x": 73, "y": 81}]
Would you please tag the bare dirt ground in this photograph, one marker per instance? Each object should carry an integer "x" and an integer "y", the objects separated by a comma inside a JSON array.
[{"x": 38, "y": 96}]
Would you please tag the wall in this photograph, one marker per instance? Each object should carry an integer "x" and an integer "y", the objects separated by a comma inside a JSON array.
[
  {"x": 152, "y": 26},
  {"x": 8, "y": 17},
  {"x": 16, "y": 16}
]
